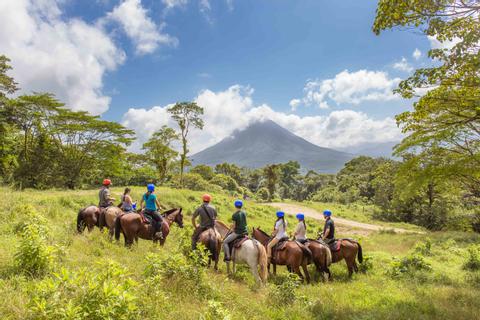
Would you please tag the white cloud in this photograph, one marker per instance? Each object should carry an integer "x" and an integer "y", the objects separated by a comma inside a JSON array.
[
  {"x": 170, "y": 4},
  {"x": 232, "y": 109},
  {"x": 230, "y": 5},
  {"x": 403, "y": 65},
  {"x": 205, "y": 10},
  {"x": 349, "y": 88},
  {"x": 142, "y": 31},
  {"x": 295, "y": 103},
  {"x": 436, "y": 44},
  {"x": 65, "y": 57},
  {"x": 417, "y": 54}
]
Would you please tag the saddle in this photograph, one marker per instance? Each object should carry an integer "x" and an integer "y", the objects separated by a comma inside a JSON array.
[
  {"x": 237, "y": 243},
  {"x": 146, "y": 219}
]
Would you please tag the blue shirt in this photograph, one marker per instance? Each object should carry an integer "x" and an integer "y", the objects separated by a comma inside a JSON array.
[{"x": 150, "y": 201}]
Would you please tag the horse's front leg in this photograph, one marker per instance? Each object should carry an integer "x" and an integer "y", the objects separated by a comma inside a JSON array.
[
  {"x": 234, "y": 268},
  {"x": 228, "y": 267},
  {"x": 274, "y": 269},
  {"x": 305, "y": 271}
]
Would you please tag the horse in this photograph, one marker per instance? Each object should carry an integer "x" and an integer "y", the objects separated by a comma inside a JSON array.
[
  {"x": 212, "y": 241},
  {"x": 251, "y": 252},
  {"x": 321, "y": 257},
  {"x": 349, "y": 250},
  {"x": 293, "y": 255},
  {"x": 108, "y": 218},
  {"x": 133, "y": 227},
  {"x": 88, "y": 217}
]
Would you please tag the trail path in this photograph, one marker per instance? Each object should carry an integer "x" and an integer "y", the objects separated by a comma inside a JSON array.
[{"x": 293, "y": 209}]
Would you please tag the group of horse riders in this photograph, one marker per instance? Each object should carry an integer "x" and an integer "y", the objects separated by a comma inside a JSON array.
[{"x": 208, "y": 215}]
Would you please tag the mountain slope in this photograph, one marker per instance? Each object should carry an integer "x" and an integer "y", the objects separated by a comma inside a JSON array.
[{"x": 264, "y": 143}]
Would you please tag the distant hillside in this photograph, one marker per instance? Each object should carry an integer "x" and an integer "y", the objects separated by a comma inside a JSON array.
[{"x": 264, "y": 143}]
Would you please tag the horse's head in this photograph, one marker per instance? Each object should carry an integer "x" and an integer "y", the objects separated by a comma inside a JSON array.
[
  {"x": 179, "y": 218},
  {"x": 260, "y": 235}
]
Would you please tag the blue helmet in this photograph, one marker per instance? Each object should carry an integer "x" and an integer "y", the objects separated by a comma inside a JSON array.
[
  {"x": 238, "y": 204},
  {"x": 300, "y": 216},
  {"x": 327, "y": 213},
  {"x": 151, "y": 187},
  {"x": 280, "y": 214}
]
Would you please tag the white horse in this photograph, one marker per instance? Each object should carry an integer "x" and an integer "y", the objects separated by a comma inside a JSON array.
[{"x": 251, "y": 252}]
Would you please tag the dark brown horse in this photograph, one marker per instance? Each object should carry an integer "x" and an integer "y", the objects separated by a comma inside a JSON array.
[
  {"x": 212, "y": 241},
  {"x": 321, "y": 257},
  {"x": 349, "y": 250},
  {"x": 88, "y": 217},
  {"x": 132, "y": 226},
  {"x": 293, "y": 256}
]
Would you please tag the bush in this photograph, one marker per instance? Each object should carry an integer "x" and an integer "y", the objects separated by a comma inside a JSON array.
[
  {"x": 366, "y": 265},
  {"x": 225, "y": 182},
  {"x": 192, "y": 181},
  {"x": 216, "y": 311},
  {"x": 408, "y": 265},
  {"x": 263, "y": 194},
  {"x": 283, "y": 292},
  {"x": 473, "y": 260},
  {"x": 424, "y": 248},
  {"x": 103, "y": 293}
]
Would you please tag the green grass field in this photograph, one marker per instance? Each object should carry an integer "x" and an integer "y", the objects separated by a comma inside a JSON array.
[{"x": 408, "y": 276}]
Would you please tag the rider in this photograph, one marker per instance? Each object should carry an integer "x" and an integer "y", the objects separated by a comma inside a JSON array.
[
  {"x": 105, "y": 200},
  {"x": 239, "y": 228},
  {"x": 301, "y": 229},
  {"x": 279, "y": 232},
  {"x": 151, "y": 209},
  {"x": 127, "y": 203},
  {"x": 328, "y": 234},
  {"x": 207, "y": 214}
]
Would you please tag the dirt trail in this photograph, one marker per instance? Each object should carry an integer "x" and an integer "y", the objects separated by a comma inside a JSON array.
[{"x": 293, "y": 209}]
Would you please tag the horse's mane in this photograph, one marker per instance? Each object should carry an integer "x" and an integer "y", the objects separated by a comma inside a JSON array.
[
  {"x": 221, "y": 224},
  {"x": 263, "y": 232},
  {"x": 170, "y": 211}
]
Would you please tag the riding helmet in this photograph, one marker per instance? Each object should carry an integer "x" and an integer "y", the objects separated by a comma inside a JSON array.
[
  {"x": 327, "y": 213},
  {"x": 151, "y": 187},
  {"x": 280, "y": 214},
  {"x": 206, "y": 197},
  {"x": 107, "y": 182},
  {"x": 238, "y": 204},
  {"x": 300, "y": 216}
]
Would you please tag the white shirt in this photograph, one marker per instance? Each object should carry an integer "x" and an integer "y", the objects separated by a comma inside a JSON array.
[
  {"x": 280, "y": 227},
  {"x": 300, "y": 231}
]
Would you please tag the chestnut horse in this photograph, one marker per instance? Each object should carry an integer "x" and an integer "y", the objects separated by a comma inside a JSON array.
[
  {"x": 349, "y": 250},
  {"x": 132, "y": 226},
  {"x": 212, "y": 241},
  {"x": 321, "y": 257},
  {"x": 108, "y": 217},
  {"x": 88, "y": 217},
  {"x": 293, "y": 255}
]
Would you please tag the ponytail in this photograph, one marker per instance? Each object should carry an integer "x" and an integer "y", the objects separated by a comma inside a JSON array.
[{"x": 127, "y": 190}]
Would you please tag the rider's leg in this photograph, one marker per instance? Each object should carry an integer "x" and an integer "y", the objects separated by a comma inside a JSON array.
[
  {"x": 195, "y": 236},
  {"x": 270, "y": 245},
  {"x": 232, "y": 236}
]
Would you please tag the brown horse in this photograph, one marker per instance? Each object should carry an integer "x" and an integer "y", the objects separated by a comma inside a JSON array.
[
  {"x": 88, "y": 217},
  {"x": 108, "y": 218},
  {"x": 321, "y": 257},
  {"x": 349, "y": 250},
  {"x": 293, "y": 256},
  {"x": 132, "y": 226},
  {"x": 212, "y": 241}
]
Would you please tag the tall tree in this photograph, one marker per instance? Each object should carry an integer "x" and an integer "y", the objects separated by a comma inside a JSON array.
[
  {"x": 272, "y": 177},
  {"x": 159, "y": 150},
  {"x": 443, "y": 130},
  {"x": 187, "y": 115}
]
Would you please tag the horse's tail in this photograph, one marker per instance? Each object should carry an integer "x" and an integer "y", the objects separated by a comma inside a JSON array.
[
  {"x": 80, "y": 222},
  {"x": 328, "y": 257},
  {"x": 118, "y": 227},
  {"x": 262, "y": 261},
  {"x": 359, "y": 254}
]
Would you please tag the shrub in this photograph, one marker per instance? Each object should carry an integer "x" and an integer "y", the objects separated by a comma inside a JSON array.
[
  {"x": 192, "y": 181},
  {"x": 216, "y": 311},
  {"x": 366, "y": 265},
  {"x": 424, "y": 248},
  {"x": 263, "y": 194},
  {"x": 473, "y": 260},
  {"x": 105, "y": 292},
  {"x": 283, "y": 293},
  {"x": 225, "y": 182},
  {"x": 408, "y": 265}
]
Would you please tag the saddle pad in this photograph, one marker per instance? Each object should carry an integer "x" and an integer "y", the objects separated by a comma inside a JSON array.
[
  {"x": 237, "y": 243},
  {"x": 335, "y": 245},
  {"x": 281, "y": 244},
  {"x": 145, "y": 218}
]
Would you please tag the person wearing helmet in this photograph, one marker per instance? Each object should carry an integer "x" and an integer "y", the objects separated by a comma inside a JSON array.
[
  {"x": 328, "y": 234},
  {"x": 300, "y": 233},
  {"x": 279, "y": 232},
  {"x": 151, "y": 205},
  {"x": 238, "y": 228},
  {"x": 105, "y": 200},
  {"x": 207, "y": 214}
]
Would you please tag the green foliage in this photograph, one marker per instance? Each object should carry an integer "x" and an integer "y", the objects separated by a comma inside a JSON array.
[
  {"x": 193, "y": 181},
  {"x": 263, "y": 194},
  {"x": 408, "y": 265},
  {"x": 205, "y": 171},
  {"x": 424, "y": 248},
  {"x": 225, "y": 182},
  {"x": 366, "y": 265},
  {"x": 105, "y": 292},
  {"x": 216, "y": 311},
  {"x": 284, "y": 292},
  {"x": 473, "y": 260}
]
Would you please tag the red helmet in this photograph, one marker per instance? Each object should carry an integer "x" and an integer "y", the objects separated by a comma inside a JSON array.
[
  {"x": 206, "y": 197},
  {"x": 107, "y": 182}
]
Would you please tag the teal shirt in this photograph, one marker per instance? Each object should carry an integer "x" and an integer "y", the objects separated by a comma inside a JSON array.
[{"x": 150, "y": 201}]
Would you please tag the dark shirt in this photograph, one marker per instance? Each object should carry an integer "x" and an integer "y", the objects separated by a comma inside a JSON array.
[
  {"x": 206, "y": 220},
  {"x": 329, "y": 225},
  {"x": 240, "y": 219}
]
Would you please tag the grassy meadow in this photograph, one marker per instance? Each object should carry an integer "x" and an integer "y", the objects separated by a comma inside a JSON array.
[{"x": 50, "y": 272}]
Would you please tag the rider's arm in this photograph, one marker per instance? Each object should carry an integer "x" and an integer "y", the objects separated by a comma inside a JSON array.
[
  {"x": 141, "y": 204},
  {"x": 326, "y": 232},
  {"x": 158, "y": 204},
  {"x": 194, "y": 217}
]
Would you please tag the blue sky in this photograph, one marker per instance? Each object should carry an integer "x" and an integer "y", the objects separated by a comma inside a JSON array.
[{"x": 261, "y": 57}]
